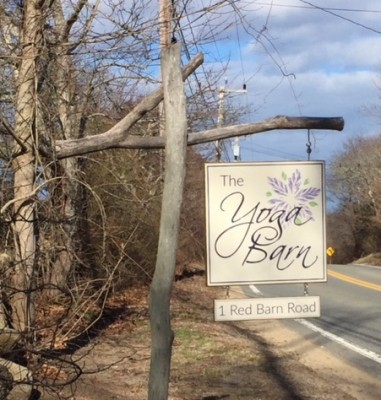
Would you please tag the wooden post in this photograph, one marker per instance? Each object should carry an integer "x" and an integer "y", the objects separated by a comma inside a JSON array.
[{"x": 175, "y": 161}]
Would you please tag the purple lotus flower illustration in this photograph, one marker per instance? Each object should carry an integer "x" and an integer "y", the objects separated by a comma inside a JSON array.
[{"x": 290, "y": 192}]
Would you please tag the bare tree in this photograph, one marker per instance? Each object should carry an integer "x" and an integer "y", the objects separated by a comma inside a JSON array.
[
  {"x": 24, "y": 167},
  {"x": 356, "y": 185}
]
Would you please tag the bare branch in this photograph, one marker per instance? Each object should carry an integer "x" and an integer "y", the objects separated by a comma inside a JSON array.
[
  {"x": 118, "y": 132},
  {"x": 10, "y": 131},
  {"x": 278, "y": 122},
  {"x": 95, "y": 143},
  {"x": 72, "y": 19}
]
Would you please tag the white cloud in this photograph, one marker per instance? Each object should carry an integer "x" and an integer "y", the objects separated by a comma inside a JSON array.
[{"x": 336, "y": 65}]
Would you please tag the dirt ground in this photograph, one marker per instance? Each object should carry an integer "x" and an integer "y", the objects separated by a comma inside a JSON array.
[{"x": 213, "y": 360}]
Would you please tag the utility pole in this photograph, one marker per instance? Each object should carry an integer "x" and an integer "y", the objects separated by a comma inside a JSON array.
[
  {"x": 220, "y": 120},
  {"x": 165, "y": 20},
  {"x": 165, "y": 23}
]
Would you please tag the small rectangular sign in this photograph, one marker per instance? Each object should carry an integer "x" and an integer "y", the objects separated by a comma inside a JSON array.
[
  {"x": 265, "y": 223},
  {"x": 266, "y": 308}
]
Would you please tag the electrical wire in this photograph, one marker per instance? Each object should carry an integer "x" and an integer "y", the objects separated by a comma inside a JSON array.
[
  {"x": 271, "y": 152},
  {"x": 262, "y": 34},
  {"x": 328, "y": 11},
  {"x": 240, "y": 51},
  {"x": 187, "y": 53},
  {"x": 357, "y": 10}
]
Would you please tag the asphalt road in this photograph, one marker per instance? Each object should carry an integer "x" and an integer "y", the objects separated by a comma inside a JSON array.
[{"x": 350, "y": 321}]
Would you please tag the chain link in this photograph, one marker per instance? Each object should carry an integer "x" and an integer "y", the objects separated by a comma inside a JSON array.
[
  {"x": 309, "y": 145},
  {"x": 309, "y": 151}
]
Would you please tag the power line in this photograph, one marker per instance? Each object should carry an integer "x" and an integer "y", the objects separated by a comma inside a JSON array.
[
  {"x": 187, "y": 53},
  {"x": 357, "y": 10},
  {"x": 272, "y": 152},
  {"x": 240, "y": 54},
  {"x": 328, "y": 11}
]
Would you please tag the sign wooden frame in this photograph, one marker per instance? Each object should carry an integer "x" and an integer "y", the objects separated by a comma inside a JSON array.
[{"x": 265, "y": 223}]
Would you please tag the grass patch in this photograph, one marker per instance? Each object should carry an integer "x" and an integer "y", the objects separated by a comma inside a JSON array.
[{"x": 216, "y": 358}]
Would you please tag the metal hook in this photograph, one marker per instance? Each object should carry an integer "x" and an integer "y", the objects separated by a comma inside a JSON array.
[{"x": 306, "y": 289}]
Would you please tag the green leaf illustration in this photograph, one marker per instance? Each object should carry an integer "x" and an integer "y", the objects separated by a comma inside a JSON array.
[
  {"x": 284, "y": 176},
  {"x": 313, "y": 203},
  {"x": 269, "y": 194},
  {"x": 306, "y": 182}
]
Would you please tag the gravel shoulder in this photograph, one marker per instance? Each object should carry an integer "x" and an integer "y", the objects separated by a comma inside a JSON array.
[{"x": 235, "y": 361}]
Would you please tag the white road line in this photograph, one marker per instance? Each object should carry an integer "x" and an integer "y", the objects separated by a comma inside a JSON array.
[{"x": 357, "y": 349}]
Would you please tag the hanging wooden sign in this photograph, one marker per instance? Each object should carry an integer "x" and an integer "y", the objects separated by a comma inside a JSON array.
[{"x": 265, "y": 223}]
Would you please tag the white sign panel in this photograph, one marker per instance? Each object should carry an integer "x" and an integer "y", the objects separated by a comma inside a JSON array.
[
  {"x": 266, "y": 308},
  {"x": 265, "y": 223}
]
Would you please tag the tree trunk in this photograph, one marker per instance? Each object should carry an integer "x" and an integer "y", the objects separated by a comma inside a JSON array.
[
  {"x": 24, "y": 169},
  {"x": 161, "y": 287},
  {"x": 69, "y": 193}
]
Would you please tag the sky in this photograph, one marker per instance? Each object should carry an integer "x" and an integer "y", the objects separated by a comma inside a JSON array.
[{"x": 319, "y": 58}]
